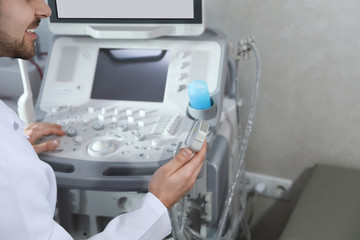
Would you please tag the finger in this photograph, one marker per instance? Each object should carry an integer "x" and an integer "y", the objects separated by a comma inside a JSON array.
[
  {"x": 46, "y": 146},
  {"x": 49, "y": 131},
  {"x": 198, "y": 170},
  {"x": 193, "y": 167},
  {"x": 178, "y": 161},
  {"x": 51, "y": 125},
  {"x": 197, "y": 160},
  {"x": 37, "y": 125},
  {"x": 31, "y": 125},
  {"x": 38, "y": 133}
]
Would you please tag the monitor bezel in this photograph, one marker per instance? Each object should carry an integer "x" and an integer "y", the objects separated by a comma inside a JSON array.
[{"x": 198, "y": 18}]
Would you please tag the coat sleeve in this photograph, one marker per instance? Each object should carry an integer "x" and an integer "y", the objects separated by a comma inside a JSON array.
[
  {"x": 149, "y": 221},
  {"x": 28, "y": 198}
]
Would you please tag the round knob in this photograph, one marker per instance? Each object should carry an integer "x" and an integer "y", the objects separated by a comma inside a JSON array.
[
  {"x": 101, "y": 148},
  {"x": 71, "y": 132},
  {"x": 98, "y": 126},
  {"x": 139, "y": 137},
  {"x": 123, "y": 127}
]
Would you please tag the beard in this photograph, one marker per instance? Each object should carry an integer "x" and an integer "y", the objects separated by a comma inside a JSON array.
[{"x": 15, "y": 48}]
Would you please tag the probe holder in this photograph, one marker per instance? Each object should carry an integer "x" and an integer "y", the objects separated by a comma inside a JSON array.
[{"x": 203, "y": 114}]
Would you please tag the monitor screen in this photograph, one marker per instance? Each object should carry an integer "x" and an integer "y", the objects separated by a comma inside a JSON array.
[
  {"x": 131, "y": 75},
  {"x": 126, "y": 11}
]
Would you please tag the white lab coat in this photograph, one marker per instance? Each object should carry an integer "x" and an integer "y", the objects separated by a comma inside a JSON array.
[{"x": 28, "y": 196}]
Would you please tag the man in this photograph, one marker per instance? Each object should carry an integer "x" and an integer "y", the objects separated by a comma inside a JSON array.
[{"x": 28, "y": 187}]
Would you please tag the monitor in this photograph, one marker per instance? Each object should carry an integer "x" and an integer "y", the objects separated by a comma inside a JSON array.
[
  {"x": 131, "y": 75},
  {"x": 127, "y": 19}
]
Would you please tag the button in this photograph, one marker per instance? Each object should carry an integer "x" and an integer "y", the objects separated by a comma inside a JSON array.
[
  {"x": 141, "y": 124},
  {"x": 173, "y": 145},
  {"x": 99, "y": 134},
  {"x": 16, "y": 126},
  {"x": 103, "y": 111},
  {"x": 142, "y": 113},
  {"x": 179, "y": 88},
  {"x": 181, "y": 54},
  {"x": 79, "y": 139},
  {"x": 63, "y": 107},
  {"x": 91, "y": 110},
  {"x": 139, "y": 137},
  {"x": 129, "y": 112},
  {"x": 98, "y": 126},
  {"x": 128, "y": 143},
  {"x": 172, "y": 151},
  {"x": 116, "y": 111},
  {"x": 142, "y": 156},
  {"x": 131, "y": 119},
  {"x": 123, "y": 127},
  {"x": 181, "y": 76},
  {"x": 183, "y": 65},
  {"x": 86, "y": 120},
  {"x": 71, "y": 132},
  {"x": 79, "y": 87},
  {"x": 101, "y": 118},
  {"x": 156, "y": 142},
  {"x": 119, "y": 136},
  {"x": 114, "y": 119}
]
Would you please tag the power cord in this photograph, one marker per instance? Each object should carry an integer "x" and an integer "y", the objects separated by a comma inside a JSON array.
[{"x": 239, "y": 53}]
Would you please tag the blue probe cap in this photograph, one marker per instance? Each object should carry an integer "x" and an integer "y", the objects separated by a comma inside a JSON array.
[{"x": 199, "y": 95}]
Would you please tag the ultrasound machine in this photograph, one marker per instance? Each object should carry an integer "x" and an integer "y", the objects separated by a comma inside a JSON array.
[{"x": 117, "y": 80}]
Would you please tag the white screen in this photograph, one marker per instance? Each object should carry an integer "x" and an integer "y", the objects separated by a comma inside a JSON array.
[{"x": 132, "y": 9}]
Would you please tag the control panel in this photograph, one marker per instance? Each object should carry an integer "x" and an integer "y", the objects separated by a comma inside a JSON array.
[{"x": 114, "y": 133}]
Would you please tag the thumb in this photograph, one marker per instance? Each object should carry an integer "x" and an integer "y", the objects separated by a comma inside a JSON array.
[
  {"x": 178, "y": 161},
  {"x": 46, "y": 146}
]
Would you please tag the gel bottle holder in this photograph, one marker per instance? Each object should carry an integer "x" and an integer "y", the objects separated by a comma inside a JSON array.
[{"x": 201, "y": 105}]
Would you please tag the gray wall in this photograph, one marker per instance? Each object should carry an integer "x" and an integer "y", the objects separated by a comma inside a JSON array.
[{"x": 309, "y": 104}]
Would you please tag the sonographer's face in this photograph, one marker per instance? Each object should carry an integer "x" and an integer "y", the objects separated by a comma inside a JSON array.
[{"x": 18, "y": 21}]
